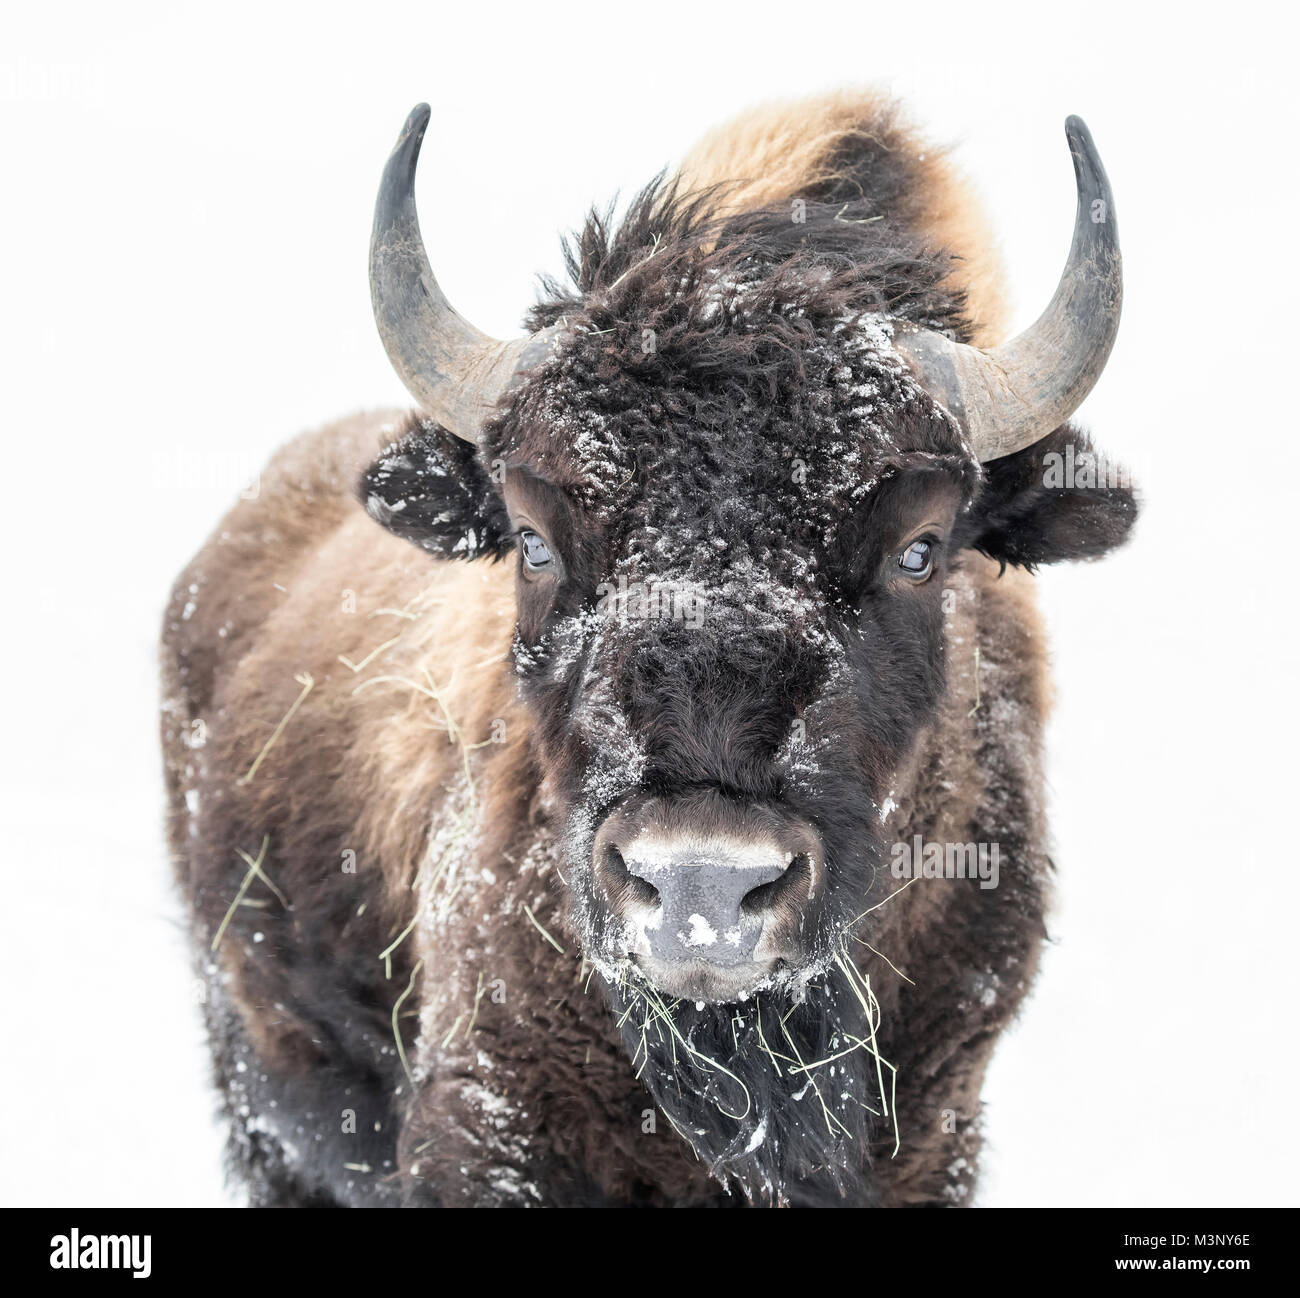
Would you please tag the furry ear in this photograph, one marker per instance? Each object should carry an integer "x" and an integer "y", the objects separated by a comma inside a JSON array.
[
  {"x": 430, "y": 488},
  {"x": 1055, "y": 500}
]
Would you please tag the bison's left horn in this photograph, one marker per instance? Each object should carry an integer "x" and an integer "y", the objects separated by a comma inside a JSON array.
[
  {"x": 453, "y": 370},
  {"x": 1013, "y": 395}
]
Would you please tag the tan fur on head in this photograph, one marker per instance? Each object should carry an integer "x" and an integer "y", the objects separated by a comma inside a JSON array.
[{"x": 782, "y": 150}]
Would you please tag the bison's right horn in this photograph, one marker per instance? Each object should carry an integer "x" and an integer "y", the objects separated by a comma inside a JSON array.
[
  {"x": 1013, "y": 395},
  {"x": 453, "y": 370}
]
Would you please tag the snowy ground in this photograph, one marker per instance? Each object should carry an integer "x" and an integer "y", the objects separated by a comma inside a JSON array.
[{"x": 183, "y": 260}]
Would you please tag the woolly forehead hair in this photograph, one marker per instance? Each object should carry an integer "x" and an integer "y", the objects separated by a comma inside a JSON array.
[
  {"x": 668, "y": 243},
  {"x": 755, "y": 340}
]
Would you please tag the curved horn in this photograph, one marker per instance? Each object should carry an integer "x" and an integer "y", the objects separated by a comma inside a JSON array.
[
  {"x": 453, "y": 370},
  {"x": 1013, "y": 395}
]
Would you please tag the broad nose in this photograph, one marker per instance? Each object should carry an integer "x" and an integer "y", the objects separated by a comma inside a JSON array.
[
  {"x": 713, "y": 897},
  {"x": 709, "y": 896}
]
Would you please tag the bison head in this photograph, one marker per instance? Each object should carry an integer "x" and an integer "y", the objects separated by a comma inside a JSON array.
[{"x": 737, "y": 466}]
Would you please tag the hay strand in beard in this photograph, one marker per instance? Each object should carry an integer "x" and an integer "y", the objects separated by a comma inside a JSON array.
[{"x": 778, "y": 1097}]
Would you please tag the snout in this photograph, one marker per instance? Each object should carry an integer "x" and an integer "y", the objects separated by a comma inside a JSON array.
[{"x": 711, "y": 898}]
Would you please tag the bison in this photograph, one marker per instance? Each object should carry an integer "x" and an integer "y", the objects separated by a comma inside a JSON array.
[{"x": 619, "y": 781}]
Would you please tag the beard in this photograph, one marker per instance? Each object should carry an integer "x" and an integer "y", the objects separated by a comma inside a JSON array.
[{"x": 779, "y": 1095}]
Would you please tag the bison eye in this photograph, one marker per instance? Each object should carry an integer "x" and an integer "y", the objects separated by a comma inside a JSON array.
[
  {"x": 917, "y": 560},
  {"x": 536, "y": 555}
]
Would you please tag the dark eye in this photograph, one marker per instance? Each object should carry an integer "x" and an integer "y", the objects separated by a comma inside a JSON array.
[
  {"x": 917, "y": 560},
  {"x": 536, "y": 555}
]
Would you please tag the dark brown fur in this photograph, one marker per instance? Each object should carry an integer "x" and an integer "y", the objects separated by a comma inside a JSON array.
[{"x": 524, "y": 1091}]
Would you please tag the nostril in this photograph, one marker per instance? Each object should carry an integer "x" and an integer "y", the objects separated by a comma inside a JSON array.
[
  {"x": 621, "y": 884},
  {"x": 792, "y": 889}
]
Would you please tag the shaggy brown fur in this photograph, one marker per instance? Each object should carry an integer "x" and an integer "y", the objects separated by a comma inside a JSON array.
[
  {"x": 783, "y": 150},
  {"x": 337, "y": 697}
]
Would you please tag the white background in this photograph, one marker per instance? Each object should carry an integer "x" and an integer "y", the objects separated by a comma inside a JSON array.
[{"x": 186, "y": 206}]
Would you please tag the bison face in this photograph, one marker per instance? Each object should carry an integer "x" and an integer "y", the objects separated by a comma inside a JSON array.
[
  {"x": 730, "y": 632},
  {"x": 733, "y": 628},
  {"x": 732, "y": 556},
  {"x": 737, "y": 554}
]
